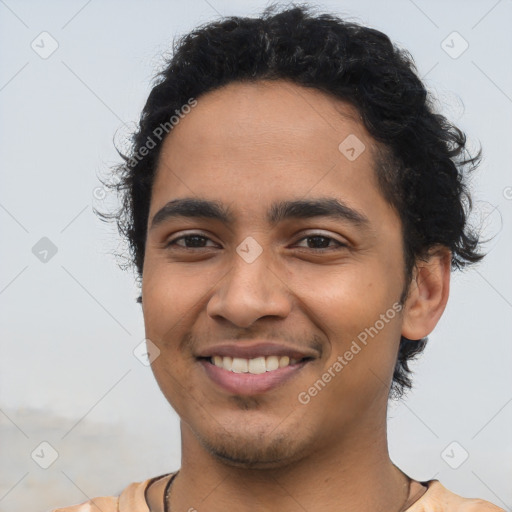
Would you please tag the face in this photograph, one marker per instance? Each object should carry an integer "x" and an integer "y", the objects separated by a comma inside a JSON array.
[{"x": 272, "y": 276}]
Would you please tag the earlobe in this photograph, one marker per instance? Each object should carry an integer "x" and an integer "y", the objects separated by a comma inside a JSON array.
[{"x": 428, "y": 294}]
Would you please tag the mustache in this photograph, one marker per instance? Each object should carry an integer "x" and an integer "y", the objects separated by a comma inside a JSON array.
[{"x": 190, "y": 341}]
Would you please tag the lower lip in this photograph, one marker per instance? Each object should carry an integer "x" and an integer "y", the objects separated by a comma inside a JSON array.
[{"x": 249, "y": 383}]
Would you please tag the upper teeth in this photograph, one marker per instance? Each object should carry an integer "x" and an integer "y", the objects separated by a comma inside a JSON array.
[{"x": 256, "y": 365}]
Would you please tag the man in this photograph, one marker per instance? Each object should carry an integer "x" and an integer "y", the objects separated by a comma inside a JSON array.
[{"x": 294, "y": 208}]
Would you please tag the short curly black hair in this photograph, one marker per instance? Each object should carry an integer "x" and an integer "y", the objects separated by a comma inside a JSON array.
[{"x": 423, "y": 163}]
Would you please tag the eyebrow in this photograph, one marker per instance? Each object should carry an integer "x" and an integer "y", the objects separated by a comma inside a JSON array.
[{"x": 284, "y": 210}]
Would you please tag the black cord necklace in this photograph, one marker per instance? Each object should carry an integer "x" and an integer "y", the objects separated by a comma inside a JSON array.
[{"x": 167, "y": 493}]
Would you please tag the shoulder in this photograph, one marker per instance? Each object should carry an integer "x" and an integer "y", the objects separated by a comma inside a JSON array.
[
  {"x": 439, "y": 499},
  {"x": 132, "y": 499},
  {"x": 100, "y": 504}
]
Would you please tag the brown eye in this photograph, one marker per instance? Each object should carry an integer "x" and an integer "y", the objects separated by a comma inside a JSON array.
[
  {"x": 193, "y": 241},
  {"x": 322, "y": 242}
]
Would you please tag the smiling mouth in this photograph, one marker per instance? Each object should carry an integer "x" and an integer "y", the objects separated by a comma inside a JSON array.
[
  {"x": 256, "y": 365},
  {"x": 241, "y": 376}
]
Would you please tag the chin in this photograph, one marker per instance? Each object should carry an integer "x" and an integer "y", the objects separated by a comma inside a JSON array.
[{"x": 253, "y": 451}]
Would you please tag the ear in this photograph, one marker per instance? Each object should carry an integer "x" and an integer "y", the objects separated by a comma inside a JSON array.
[{"x": 428, "y": 294}]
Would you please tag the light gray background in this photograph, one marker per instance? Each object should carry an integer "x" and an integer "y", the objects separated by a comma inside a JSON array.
[{"x": 68, "y": 326}]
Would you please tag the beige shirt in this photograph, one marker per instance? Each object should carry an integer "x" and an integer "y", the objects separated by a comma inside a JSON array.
[{"x": 435, "y": 498}]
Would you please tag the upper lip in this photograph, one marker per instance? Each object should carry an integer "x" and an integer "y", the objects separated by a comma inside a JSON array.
[{"x": 246, "y": 350}]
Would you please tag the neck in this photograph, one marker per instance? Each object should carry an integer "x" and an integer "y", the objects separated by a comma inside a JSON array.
[{"x": 353, "y": 474}]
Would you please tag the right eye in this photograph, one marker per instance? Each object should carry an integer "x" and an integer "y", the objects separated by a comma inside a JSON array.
[{"x": 192, "y": 241}]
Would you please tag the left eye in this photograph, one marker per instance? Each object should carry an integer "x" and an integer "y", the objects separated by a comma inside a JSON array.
[{"x": 322, "y": 242}]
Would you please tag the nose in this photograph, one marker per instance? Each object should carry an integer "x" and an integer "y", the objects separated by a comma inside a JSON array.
[{"x": 250, "y": 291}]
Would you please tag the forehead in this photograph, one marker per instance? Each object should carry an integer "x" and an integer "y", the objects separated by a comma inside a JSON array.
[
  {"x": 254, "y": 142},
  {"x": 240, "y": 114}
]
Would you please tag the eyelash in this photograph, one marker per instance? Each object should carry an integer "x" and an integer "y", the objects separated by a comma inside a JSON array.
[{"x": 340, "y": 245}]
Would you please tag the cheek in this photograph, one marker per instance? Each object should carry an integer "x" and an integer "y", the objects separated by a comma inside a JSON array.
[
  {"x": 358, "y": 312},
  {"x": 345, "y": 300},
  {"x": 170, "y": 293}
]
